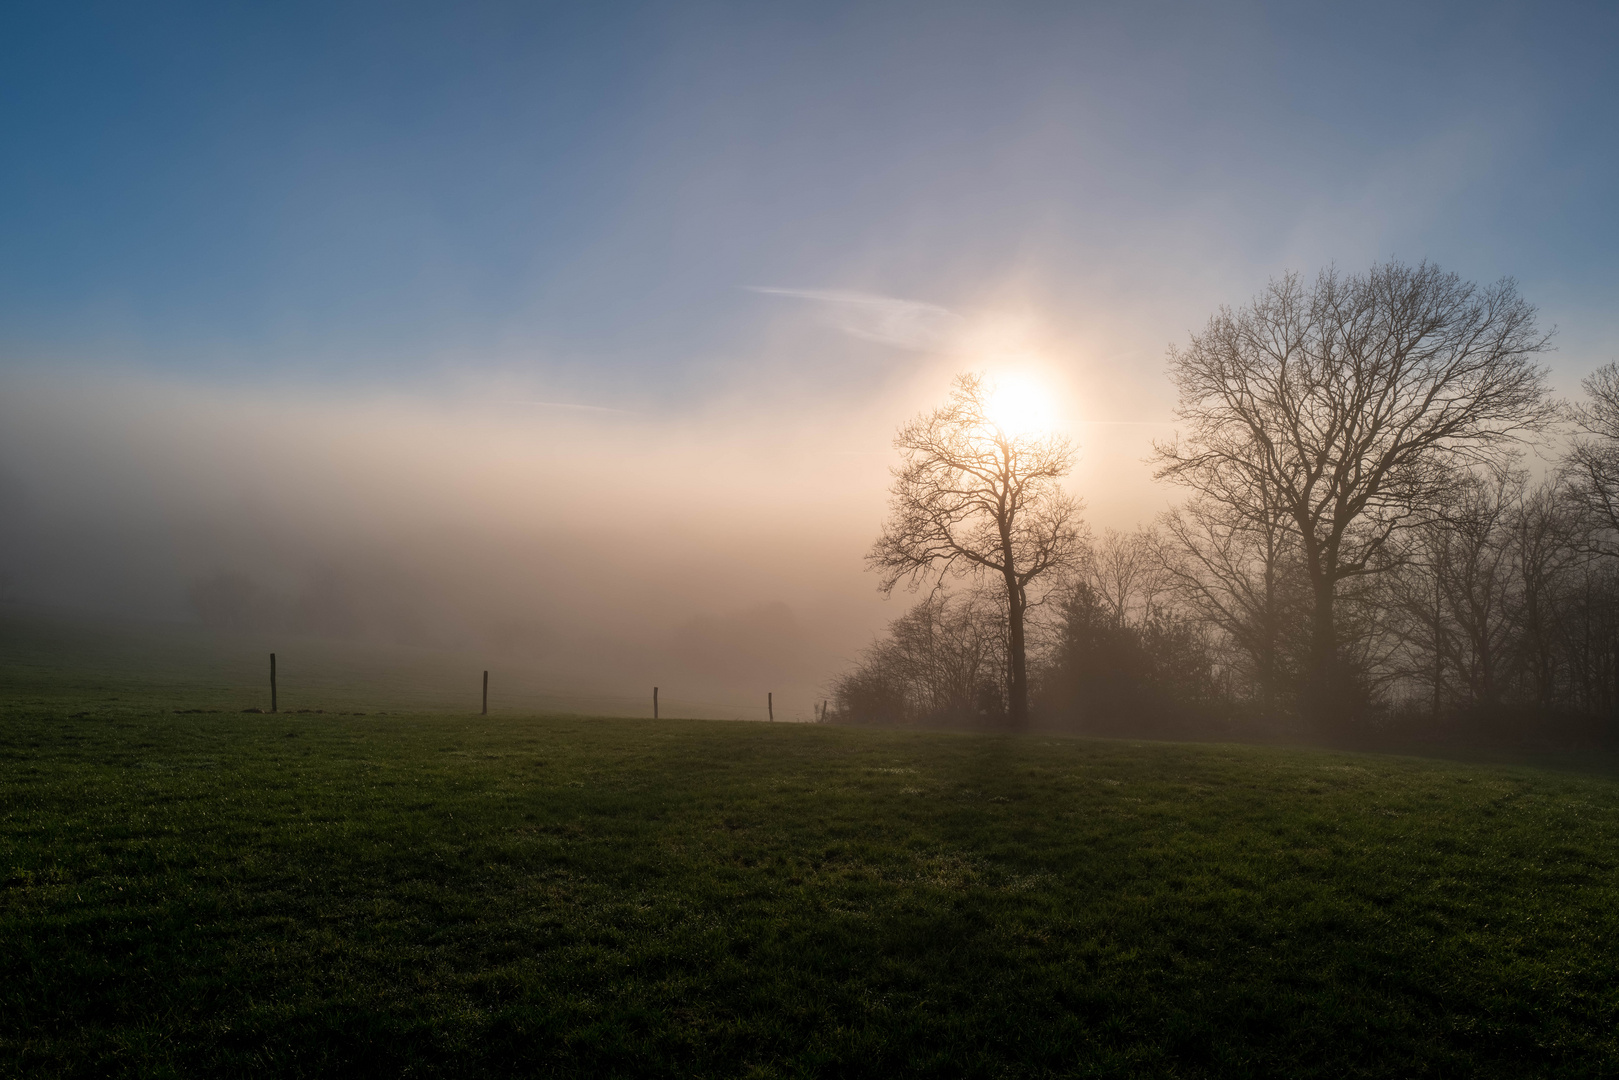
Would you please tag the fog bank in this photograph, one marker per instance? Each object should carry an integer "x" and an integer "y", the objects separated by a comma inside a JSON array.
[{"x": 714, "y": 549}]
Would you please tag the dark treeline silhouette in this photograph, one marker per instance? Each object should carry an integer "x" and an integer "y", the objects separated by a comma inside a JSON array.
[{"x": 1362, "y": 556}]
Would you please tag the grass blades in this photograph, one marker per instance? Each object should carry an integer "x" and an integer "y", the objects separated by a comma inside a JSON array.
[{"x": 441, "y": 896}]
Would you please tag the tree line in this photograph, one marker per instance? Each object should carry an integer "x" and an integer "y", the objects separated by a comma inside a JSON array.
[{"x": 1362, "y": 550}]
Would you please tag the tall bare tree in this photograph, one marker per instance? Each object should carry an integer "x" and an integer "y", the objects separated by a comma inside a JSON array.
[
  {"x": 972, "y": 498},
  {"x": 1354, "y": 403}
]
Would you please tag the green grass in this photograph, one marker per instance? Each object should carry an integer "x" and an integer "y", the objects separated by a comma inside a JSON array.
[{"x": 228, "y": 894}]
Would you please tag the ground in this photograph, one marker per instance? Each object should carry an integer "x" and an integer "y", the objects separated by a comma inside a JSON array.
[{"x": 221, "y": 893}]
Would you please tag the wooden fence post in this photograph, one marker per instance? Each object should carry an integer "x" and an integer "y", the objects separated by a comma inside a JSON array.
[
  {"x": 770, "y": 703},
  {"x": 272, "y": 682},
  {"x": 486, "y": 693},
  {"x": 654, "y": 703}
]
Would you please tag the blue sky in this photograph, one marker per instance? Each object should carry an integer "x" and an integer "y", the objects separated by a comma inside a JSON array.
[
  {"x": 378, "y": 194},
  {"x": 284, "y": 288}
]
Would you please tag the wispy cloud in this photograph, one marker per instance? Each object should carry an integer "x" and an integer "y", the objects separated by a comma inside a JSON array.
[
  {"x": 887, "y": 320},
  {"x": 566, "y": 405}
]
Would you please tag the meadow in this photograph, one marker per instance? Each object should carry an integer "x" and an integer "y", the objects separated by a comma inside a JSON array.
[{"x": 442, "y": 894}]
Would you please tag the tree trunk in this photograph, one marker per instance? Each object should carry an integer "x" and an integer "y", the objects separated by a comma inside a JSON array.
[
  {"x": 1269, "y": 668},
  {"x": 1328, "y": 699},
  {"x": 1018, "y": 690}
]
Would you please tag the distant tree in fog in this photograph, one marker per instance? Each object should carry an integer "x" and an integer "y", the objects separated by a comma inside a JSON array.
[
  {"x": 1129, "y": 668},
  {"x": 941, "y": 662},
  {"x": 1464, "y": 593},
  {"x": 1547, "y": 550},
  {"x": 1234, "y": 563},
  {"x": 972, "y": 498},
  {"x": 1495, "y": 604},
  {"x": 1353, "y": 403},
  {"x": 1125, "y": 572}
]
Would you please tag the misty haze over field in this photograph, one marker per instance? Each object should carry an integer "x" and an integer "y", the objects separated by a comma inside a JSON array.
[{"x": 578, "y": 338}]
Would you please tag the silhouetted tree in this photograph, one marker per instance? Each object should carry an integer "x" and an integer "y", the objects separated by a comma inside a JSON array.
[
  {"x": 1547, "y": 550},
  {"x": 1125, "y": 572},
  {"x": 1472, "y": 569},
  {"x": 1353, "y": 404},
  {"x": 972, "y": 498},
  {"x": 1116, "y": 670},
  {"x": 1591, "y": 467},
  {"x": 942, "y": 662},
  {"x": 1237, "y": 567},
  {"x": 1487, "y": 598}
]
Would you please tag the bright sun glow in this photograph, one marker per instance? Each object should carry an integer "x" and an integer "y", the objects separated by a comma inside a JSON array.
[{"x": 1019, "y": 405}]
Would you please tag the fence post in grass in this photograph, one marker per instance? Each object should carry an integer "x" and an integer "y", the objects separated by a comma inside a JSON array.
[
  {"x": 272, "y": 682},
  {"x": 770, "y": 704},
  {"x": 486, "y": 693},
  {"x": 654, "y": 703}
]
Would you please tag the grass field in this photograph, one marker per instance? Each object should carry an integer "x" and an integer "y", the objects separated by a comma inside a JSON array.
[{"x": 230, "y": 894}]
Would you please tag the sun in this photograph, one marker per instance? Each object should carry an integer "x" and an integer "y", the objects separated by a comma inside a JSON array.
[{"x": 1019, "y": 405}]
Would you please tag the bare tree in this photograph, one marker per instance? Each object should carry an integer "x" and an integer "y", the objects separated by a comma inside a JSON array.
[
  {"x": 1149, "y": 670},
  {"x": 942, "y": 661},
  {"x": 1235, "y": 564},
  {"x": 1474, "y": 572},
  {"x": 1353, "y": 403},
  {"x": 1485, "y": 584},
  {"x": 1546, "y": 549},
  {"x": 1591, "y": 468},
  {"x": 1125, "y": 573},
  {"x": 972, "y": 498}
]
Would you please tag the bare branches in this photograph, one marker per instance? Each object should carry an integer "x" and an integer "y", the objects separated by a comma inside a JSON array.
[
  {"x": 1350, "y": 406},
  {"x": 941, "y": 662},
  {"x": 970, "y": 498},
  {"x": 1358, "y": 397},
  {"x": 1126, "y": 573},
  {"x": 1591, "y": 466}
]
